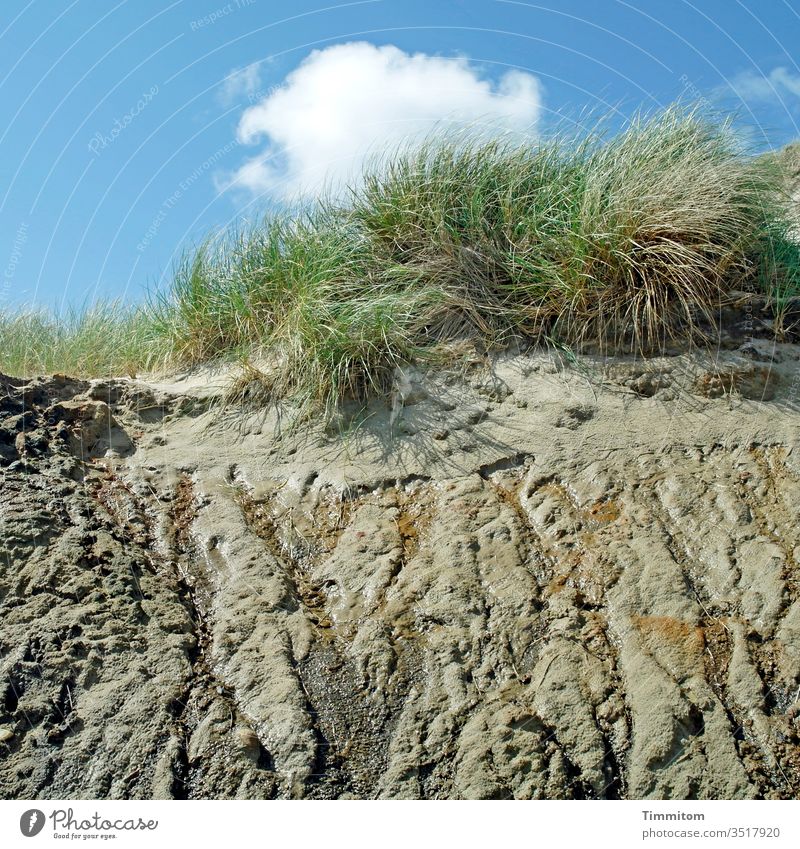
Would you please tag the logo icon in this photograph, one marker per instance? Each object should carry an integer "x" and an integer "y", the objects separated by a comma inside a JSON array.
[{"x": 31, "y": 822}]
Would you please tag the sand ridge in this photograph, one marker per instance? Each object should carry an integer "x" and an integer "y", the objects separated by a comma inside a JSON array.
[{"x": 531, "y": 579}]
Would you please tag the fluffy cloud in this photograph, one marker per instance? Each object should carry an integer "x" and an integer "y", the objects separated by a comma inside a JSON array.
[
  {"x": 353, "y": 100},
  {"x": 751, "y": 86}
]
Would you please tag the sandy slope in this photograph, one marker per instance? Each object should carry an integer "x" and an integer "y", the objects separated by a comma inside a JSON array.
[{"x": 530, "y": 581}]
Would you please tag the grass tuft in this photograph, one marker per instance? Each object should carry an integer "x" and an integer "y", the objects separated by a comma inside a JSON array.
[
  {"x": 623, "y": 241},
  {"x": 106, "y": 339}
]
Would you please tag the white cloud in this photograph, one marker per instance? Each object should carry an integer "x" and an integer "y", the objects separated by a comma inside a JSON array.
[
  {"x": 751, "y": 86},
  {"x": 352, "y": 100},
  {"x": 243, "y": 82}
]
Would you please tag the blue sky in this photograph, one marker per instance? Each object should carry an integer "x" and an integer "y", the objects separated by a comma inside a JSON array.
[{"x": 134, "y": 127}]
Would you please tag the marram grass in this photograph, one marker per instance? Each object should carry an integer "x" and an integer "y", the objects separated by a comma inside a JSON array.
[
  {"x": 106, "y": 339},
  {"x": 625, "y": 241}
]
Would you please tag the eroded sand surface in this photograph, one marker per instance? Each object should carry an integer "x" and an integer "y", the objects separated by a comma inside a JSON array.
[{"x": 538, "y": 581}]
